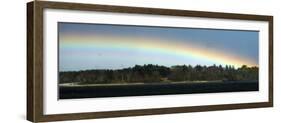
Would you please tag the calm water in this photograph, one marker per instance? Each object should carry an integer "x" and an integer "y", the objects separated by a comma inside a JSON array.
[{"x": 155, "y": 89}]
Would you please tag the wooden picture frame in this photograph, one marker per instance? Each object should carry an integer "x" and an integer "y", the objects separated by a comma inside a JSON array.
[{"x": 35, "y": 61}]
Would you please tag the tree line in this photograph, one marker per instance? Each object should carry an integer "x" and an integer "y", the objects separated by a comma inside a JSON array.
[{"x": 156, "y": 73}]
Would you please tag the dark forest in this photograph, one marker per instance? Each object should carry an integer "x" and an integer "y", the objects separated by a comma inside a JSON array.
[{"x": 155, "y": 73}]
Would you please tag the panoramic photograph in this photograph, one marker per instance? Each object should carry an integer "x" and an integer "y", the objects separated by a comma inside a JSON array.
[{"x": 109, "y": 60}]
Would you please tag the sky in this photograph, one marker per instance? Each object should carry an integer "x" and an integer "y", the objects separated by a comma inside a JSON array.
[{"x": 105, "y": 46}]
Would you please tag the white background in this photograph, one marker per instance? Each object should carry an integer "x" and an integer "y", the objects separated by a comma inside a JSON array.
[
  {"x": 53, "y": 106},
  {"x": 13, "y": 61}
]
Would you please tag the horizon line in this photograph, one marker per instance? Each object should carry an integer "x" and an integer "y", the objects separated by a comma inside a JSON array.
[{"x": 223, "y": 66}]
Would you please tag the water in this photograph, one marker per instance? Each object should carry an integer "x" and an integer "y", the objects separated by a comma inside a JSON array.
[{"x": 75, "y": 92}]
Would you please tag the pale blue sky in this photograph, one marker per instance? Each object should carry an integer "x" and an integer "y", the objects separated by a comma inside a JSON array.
[{"x": 238, "y": 42}]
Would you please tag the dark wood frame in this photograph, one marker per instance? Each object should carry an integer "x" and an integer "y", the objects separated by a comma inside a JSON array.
[{"x": 35, "y": 60}]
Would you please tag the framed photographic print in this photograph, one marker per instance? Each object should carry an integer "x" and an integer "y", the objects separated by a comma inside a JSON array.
[{"x": 96, "y": 61}]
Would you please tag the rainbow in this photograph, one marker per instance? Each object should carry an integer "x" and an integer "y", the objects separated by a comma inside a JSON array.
[{"x": 158, "y": 45}]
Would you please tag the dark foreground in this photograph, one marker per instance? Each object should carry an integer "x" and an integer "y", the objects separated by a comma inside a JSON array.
[{"x": 75, "y": 92}]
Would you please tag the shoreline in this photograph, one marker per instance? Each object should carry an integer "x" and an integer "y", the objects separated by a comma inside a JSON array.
[{"x": 141, "y": 83}]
